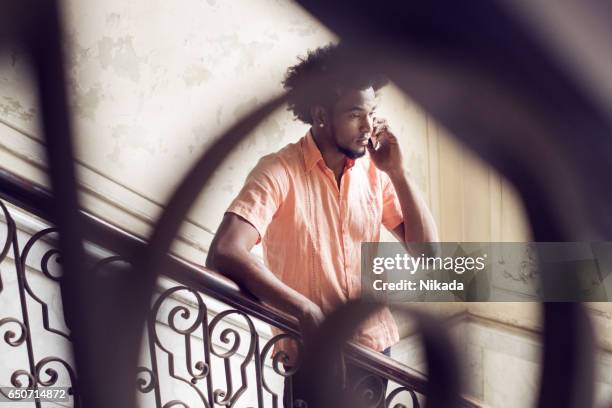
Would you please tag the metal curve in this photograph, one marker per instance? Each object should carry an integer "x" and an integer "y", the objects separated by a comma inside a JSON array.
[
  {"x": 9, "y": 335},
  {"x": 142, "y": 384}
]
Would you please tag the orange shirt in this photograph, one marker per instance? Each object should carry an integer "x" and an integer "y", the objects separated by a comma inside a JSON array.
[{"x": 311, "y": 230}]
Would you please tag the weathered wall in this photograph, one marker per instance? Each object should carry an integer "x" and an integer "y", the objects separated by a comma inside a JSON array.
[
  {"x": 502, "y": 364},
  {"x": 151, "y": 85}
]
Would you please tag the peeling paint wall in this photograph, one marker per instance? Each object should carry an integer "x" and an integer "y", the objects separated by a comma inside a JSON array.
[{"x": 152, "y": 84}]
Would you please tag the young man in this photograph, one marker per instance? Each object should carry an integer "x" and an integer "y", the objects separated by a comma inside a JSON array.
[{"x": 313, "y": 202}]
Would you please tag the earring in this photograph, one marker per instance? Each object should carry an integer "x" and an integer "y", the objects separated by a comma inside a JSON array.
[{"x": 321, "y": 124}]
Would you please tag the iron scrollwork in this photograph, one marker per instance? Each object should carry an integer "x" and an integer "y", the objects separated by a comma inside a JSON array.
[
  {"x": 49, "y": 254},
  {"x": 188, "y": 319},
  {"x": 142, "y": 384},
  {"x": 16, "y": 382},
  {"x": 198, "y": 370},
  {"x": 230, "y": 336},
  {"x": 40, "y": 373},
  {"x": 9, "y": 335},
  {"x": 281, "y": 357}
]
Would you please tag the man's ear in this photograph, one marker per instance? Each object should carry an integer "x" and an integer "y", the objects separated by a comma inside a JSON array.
[{"x": 319, "y": 116}]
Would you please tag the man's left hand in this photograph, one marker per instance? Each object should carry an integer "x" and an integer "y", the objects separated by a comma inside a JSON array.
[{"x": 384, "y": 148}]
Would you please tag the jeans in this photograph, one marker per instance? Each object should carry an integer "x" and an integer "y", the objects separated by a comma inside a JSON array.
[{"x": 353, "y": 374}]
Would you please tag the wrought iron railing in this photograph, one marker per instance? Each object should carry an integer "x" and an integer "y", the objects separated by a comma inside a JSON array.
[{"x": 196, "y": 284}]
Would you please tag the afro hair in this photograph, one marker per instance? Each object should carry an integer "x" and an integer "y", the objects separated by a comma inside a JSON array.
[{"x": 318, "y": 77}]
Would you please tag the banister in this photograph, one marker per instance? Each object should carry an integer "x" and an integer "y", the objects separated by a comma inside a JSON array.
[{"x": 37, "y": 200}]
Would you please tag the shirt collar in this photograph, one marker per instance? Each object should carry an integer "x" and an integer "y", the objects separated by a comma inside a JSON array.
[{"x": 312, "y": 154}]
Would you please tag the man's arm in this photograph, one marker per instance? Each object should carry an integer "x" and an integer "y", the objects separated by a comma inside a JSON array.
[
  {"x": 230, "y": 255},
  {"x": 421, "y": 226}
]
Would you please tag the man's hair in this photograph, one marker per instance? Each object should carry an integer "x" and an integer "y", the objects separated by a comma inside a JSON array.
[{"x": 318, "y": 77}]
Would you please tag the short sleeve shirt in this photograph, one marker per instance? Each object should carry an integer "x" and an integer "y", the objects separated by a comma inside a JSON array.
[{"x": 311, "y": 229}]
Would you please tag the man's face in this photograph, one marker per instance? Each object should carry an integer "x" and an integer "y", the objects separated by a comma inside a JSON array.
[{"x": 352, "y": 121}]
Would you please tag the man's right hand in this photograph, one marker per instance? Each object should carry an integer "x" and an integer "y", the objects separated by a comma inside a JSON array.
[
  {"x": 310, "y": 317},
  {"x": 230, "y": 254}
]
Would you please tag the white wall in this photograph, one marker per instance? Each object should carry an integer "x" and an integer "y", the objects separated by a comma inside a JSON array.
[
  {"x": 502, "y": 363},
  {"x": 152, "y": 84}
]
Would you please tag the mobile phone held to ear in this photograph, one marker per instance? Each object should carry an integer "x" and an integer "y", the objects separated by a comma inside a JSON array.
[{"x": 373, "y": 141}]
